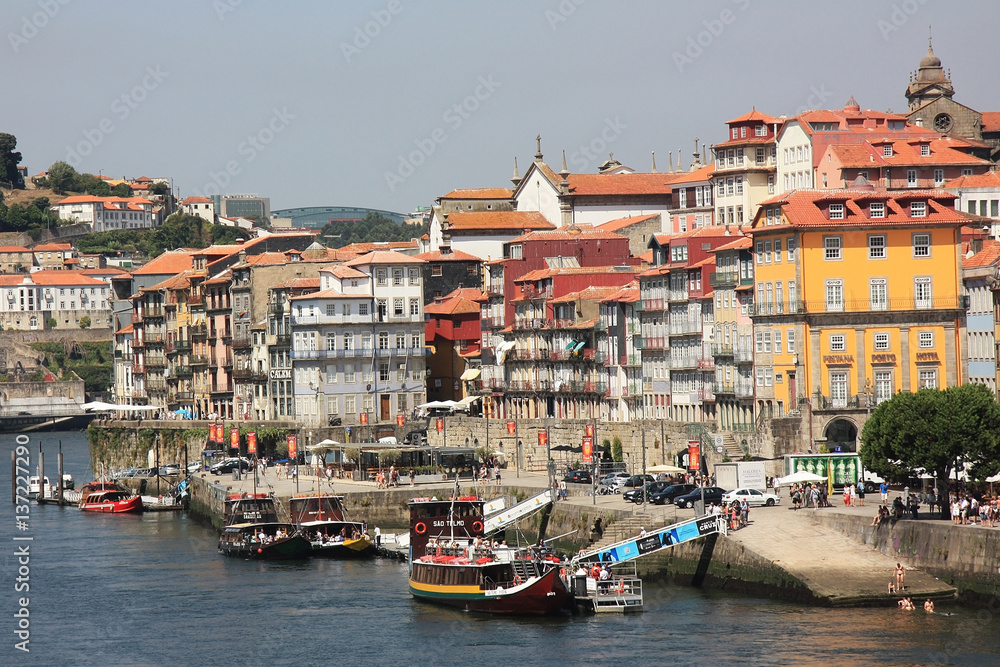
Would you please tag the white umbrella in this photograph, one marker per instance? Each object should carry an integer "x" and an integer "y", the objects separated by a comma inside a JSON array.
[
  {"x": 99, "y": 406},
  {"x": 994, "y": 478},
  {"x": 799, "y": 477},
  {"x": 665, "y": 467}
]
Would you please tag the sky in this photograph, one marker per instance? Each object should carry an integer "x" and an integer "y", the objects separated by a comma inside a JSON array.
[{"x": 390, "y": 104}]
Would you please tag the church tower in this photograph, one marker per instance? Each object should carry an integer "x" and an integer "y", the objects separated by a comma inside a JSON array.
[{"x": 929, "y": 82}]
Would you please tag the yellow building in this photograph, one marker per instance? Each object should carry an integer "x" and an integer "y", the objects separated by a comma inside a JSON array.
[{"x": 857, "y": 297}]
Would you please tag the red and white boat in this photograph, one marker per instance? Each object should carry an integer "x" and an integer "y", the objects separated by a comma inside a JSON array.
[{"x": 108, "y": 497}]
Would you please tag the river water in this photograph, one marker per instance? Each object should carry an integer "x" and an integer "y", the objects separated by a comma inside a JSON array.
[{"x": 153, "y": 590}]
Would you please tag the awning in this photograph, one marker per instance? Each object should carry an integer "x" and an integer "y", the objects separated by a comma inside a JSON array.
[
  {"x": 466, "y": 402},
  {"x": 579, "y": 346},
  {"x": 471, "y": 373}
]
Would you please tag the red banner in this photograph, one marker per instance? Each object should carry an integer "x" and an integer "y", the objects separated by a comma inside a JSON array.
[
  {"x": 211, "y": 433},
  {"x": 234, "y": 437},
  {"x": 439, "y": 424},
  {"x": 292, "y": 448},
  {"x": 589, "y": 428},
  {"x": 694, "y": 455},
  {"x": 588, "y": 449},
  {"x": 252, "y": 442},
  {"x": 512, "y": 428},
  {"x": 364, "y": 418},
  {"x": 400, "y": 420},
  {"x": 543, "y": 438}
]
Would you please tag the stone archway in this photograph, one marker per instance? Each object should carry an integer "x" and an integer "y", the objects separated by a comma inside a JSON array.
[{"x": 842, "y": 433}]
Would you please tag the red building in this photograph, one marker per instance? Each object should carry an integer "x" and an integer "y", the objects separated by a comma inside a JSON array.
[{"x": 452, "y": 330}]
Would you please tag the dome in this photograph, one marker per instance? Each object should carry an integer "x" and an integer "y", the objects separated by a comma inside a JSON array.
[{"x": 930, "y": 60}]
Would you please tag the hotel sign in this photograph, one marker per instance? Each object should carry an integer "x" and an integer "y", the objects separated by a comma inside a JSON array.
[
  {"x": 927, "y": 356},
  {"x": 883, "y": 358},
  {"x": 280, "y": 374},
  {"x": 838, "y": 358}
]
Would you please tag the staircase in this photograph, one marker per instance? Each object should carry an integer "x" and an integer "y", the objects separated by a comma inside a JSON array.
[
  {"x": 731, "y": 443},
  {"x": 525, "y": 569},
  {"x": 623, "y": 528}
]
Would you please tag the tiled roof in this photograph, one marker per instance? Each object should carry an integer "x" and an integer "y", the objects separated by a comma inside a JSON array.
[
  {"x": 107, "y": 271},
  {"x": 988, "y": 256},
  {"x": 383, "y": 257},
  {"x": 700, "y": 174},
  {"x": 708, "y": 261},
  {"x": 990, "y": 179},
  {"x": 326, "y": 294},
  {"x": 196, "y": 200},
  {"x": 13, "y": 248},
  {"x": 479, "y": 193},
  {"x": 497, "y": 220},
  {"x": 741, "y": 243},
  {"x": 591, "y": 293},
  {"x": 627, "y": 294},
  {"x": 752, "y": 116},
  {"x": 635, "y": 184},
  {"x": 127, "y": 329},
  {"x": 362, "y": 248},
  {"x": 453, "y": 256},
  {"x": 12, "y": 279},
  {"x": 65, "y": 278},
  {"x": 807, "y": 208},
  {"x": 905, "y": 152},
  {"x": 111, "y": 202},
  {"x": 344, "y": 272},
  {"x": 298, "y": 283},
  {"x": 53, "y": 246},
  {"x": 178, "y": 282},
  {"x": 170, "y": 262},
  {"x": 991, "y": 121},
  {"x": 647, "y": 256},
  {"x": 539, "y": 274},
  {"x": 622, "y": 223},
  {"x": 462, "y": 301},
  {"x": 562, "y": 234}
]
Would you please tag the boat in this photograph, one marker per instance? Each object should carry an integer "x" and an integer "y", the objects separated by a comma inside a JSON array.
[
  {"x": 35, "y": 489},
  {"x": 320, "y": 517},
  {"x": 451, "y": 564},
  {"x": 108, "y": 497},
  {"x": 253, "y": 530}
]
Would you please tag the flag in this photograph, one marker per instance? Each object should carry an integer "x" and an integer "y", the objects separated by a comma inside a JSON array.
[{"x": 829, "y": 477}]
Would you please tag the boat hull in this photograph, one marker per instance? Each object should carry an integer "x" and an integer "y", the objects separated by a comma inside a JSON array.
[
  {"x": 133, "y": 504},
  {"x": 361, "y": 548},
  {"x": 543, "y": 597},
  {"x": 292, "y": 548}
]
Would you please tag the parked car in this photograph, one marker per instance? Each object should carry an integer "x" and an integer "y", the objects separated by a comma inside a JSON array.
[
  {"x": 667, "y": 495},
  {"x": 170, "y": 469},
  {"x": 579, "y": 477},
  {"x": 614, "y": 478},
  {"x": 754, "y": 497},
  {"x": 229, "y": 465},
  {"x": 636, "y": 481},
  {"x": 713, "y": 494},
  {"x": 636, "y": 495}
]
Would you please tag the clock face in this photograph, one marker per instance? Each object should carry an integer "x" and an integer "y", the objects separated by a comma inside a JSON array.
[{"x": 942, "y": 122}]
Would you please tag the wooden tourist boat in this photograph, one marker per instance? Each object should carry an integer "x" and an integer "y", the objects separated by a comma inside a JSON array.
[
  {"x": 254, "y": 531},
  {"x": 321, "y": 520},
  {"x": 451, "y": 564}
]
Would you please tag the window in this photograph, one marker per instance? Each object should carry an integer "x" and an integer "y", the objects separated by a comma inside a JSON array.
[
  {"x": 730, "y": 186},
  {"x": 881, "y": 341},
  {"x": 760, "y": 131},
  {"x": 383, "y": 340},
  {"x": 383, "y": 371},
  {"x": 831, "y": 247},
  {"x": 834, "y": 295},
  {"x": 876, "y": 209},
  {"x": 381, "y": 278},
  {"x": 401, "y": 372},
  {"x": 918, "y": 209},
  {"x": 777, "y": 341},
  {"x": 911, "y": 178},
  {"x": 331, "y": 341},
  {"x": 925, "y": 150},
  {"x": 682, "y": 198},
  {"x": 345, "y": 309},
  {"x": 791, "y": 249},
  {"x": 938, "y": 177},
  {"x": 790, "y": 341},
  {"x": 883, "y": 386},
  {"x": 767, "y": 342},
  {"x": 928, "y": 379},
  {"x": 922, "y": 292},
  {"x": 414, "y": 276},
  {"x": 887, "y": 150},
  {"x": 348, "y": 341},
  {"x": 770, "y": 184},
  {"x": 759, "y": 156},
  {"x": 414, "y": 340},
  {"x": 876, "y": 246},
  {"x": 838, "y": 343},
  {"x": 362, "y": 309},
  {"x": 414, "y": 306},
  {"x": 397, "y": 277},
  {"x": 436, "y": 270},
  {"x": 739, "y": 185},
  {"x": 836, "y": 211},
  {"x": 921, "y": 245},
  {"x": 838, "y": 389},
  {"x": 792, "y": 297},
  {"x": 878, "y": 291},
  {"x": 331, "y": 374},
  {"x": 349, "y": 377},
  {"x": 760, "y": 376},
  {"x": 331, "y": 309},
  {"x": 400, "y": 340},
  {"x": 397, "y": 306},
  {"x": 767, "y": 252},
  {"x": 759, "y": 342}
]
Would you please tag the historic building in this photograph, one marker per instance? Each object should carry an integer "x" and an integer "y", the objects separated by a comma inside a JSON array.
[{"x": 745, "y": 167}]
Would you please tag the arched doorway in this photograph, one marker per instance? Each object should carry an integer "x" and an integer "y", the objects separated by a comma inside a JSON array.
[{"x": 842, "y": 436}]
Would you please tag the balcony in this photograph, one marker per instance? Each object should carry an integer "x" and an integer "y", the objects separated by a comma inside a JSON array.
[
  {"x": 495, "y": 289},
  {"x": 685, "y": 328},
  {"x": 182, "y": 371},
  {"x": 678, "y": 295},
  {"x": 138, "y": 369},
  {"x": 276, "y": 307},
  {"x": 634, "y": 359},
  {"x": 222, "y": 389},
  {"x": 823, "y": 402},
  {"x": 138, "y": 393},
  {"x": 152, "y": 312},
  {"x": 600, "y": 357},
  {"x": 683, "y": 362},
  {"x": 652, "y": 343},
  {"x": 649, "y": 304},
  {"x": 182, "y": 345},
  {"x": 284, "y": 339},
  {"x": 226, "y": 362},
  {"x": 706, "y": 393},
  {"x": 156, "y": 362},
  {"x": 600, "y": 325},
  {"x": 743, "y": 355},
  {"x": 243, "y": 373},
  {"x": 638, "y": 342},
  {"x": 138, "y": 344},
  {"x": 722, "y": 350},
  {"x": 492, "y": 322},
  {"x": 528, "y": 385},
  {"x": 182, "y": 396},
  {"x": 199, "y": 331},
  {"x": 199, "y": 360},
  {"x": 706, "y": 363},
  {"x": 723, "y": 278},
  {"x": 531, "y": 323},
  {"x": 215, "y": 305},
  {"x": 195, "y": 300},
  {"x": 581, "y": 387},
  {"x": 241, "y": 343},
  {"x": 528, "y": 355},
  {"x": 725, "y": 388},
  {"x": 744, "y": 389}
]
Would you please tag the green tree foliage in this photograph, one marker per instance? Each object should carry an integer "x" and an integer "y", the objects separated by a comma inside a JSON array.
[
  {"x": 939, "y": 431},
  {"x": 91, "y": 361},
  {"x": 85, "y": 322},
  {"x": 122, "y": 190},
  {"x": 9, "y": 159},
  {"x": 159, "y": 188},
  {"x": 61, "y": 177},
  {"x": 616, "y": 449},
  {"x": 180, "y": 230},
  {"x": 32, "y": 218},
  {"x": 375, "y": 227}
]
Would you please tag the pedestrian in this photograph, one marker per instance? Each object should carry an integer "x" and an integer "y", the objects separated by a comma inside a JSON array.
[
  {"x": 861, "y": 493},
  {"x": 413, "y": 476},
  {"x": 847, "y": 495},
  {"x": 854, "y": 494},
  {"x": 378, "y": 537},
  {"x": 883, "y": 489},
  {"x": 498, "y": 476},
  {"x": 900, "y": 577}
]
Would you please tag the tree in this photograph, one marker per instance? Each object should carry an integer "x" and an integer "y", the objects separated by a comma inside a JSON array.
[
  {"x": 122, "y": 190},
  {"x": 9, "y": 159},
  {"x": 61, "y": 177},
  {"x": 616, "y": 449},
  {"x": 51, "y": 323},
  {"x": 940, "y": 431},
  {"x": 85, "y": 322},
  {"x": 159, "y": 188}
]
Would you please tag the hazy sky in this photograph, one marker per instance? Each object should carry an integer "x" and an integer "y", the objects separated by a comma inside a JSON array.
[{"x": 389, "y": 104}]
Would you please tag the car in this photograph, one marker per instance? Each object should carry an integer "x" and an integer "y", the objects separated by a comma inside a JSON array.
[
  {"x": 170, "y": 469},
  {"x": 667, "y": 495},
  {"x": 753, "y": 496},
  {"x": 636, "y": 495},
  {"x": 614, "y": 478},
  {"x": 579, "y": 477},
  {"x": 229, "y": 465},
  {"x": 636, "y": 481},
  {"x": 713, "y": 494}
]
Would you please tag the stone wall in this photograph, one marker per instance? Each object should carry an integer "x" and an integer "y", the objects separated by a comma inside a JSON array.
[{"x": 128, "y": 447}]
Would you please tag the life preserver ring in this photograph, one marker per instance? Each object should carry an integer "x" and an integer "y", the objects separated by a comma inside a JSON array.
[
  {"x": 420, "y": 528},
  {"x": 517, "y": 580},
  {"x": 621, "y": 586},
  {"x": 477, "y": 526}
]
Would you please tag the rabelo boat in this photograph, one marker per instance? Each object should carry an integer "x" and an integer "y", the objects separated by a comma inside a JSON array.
[
  {"x": 320, "y": 518},
  {"x": 253, "y": 530}
]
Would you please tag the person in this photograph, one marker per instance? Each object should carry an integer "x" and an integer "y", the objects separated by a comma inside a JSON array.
[
  {"x": 861, "y": 493},
  {"x": 378, "y": 537},
  {"x": 498, "y": 476},
  {"x": 913, "y": 507},
  {"x": 900, "y": 577},
  {"x": 883, "y": 489},
  {"x": 928, "y": 606},
  {"x": 642, "y": 532},
  {"x": 854, "y": 495},
  {"x": 906, "y": 603},
  {"x": 847, "y": 496},
  {"x": 413, "y": 476}
]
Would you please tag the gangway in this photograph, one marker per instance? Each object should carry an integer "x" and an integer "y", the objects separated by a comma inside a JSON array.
[
  {"x": 623, "y": 592},
  {"x": 504, "y": 518}
]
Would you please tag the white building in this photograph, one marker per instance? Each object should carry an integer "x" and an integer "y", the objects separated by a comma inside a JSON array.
[
  {"x": 979, "y": 195},
  {"x": 106, "y": 213},
  {"x": 30, "y": 301},
  {"x": 203, "y": 207},
  {"x": 358, "y": 343}
]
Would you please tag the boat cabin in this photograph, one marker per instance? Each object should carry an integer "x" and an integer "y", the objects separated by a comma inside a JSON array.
[
  {"x": 250, "y": 508},
  {"x": 460, "y": 519},
  {"x": 308, "y": 508}
]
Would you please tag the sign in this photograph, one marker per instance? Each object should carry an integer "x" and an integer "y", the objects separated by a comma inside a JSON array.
[
  {"x": 364, "y": 418},
  {"x": 234, "y": 437},
  {"x": 588, "y": 449},
  {"x": 511, "y": 428},
  {"x": 543, "y": 438},
  {"x": 280, "y": 374},
  {"x": 211, "y": 433},
  {"x": 400, "y": 420},
  {"x": 694, "y": 455},
  {"x": 292, "y": 446},
  {"x": 252, "y": 442},
  {"x": 589, "y": 431},
  {"x": 439, "y": 423}
]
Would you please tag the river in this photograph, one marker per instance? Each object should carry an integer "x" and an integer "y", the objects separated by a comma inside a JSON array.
[{"x": 152, "y": 590}]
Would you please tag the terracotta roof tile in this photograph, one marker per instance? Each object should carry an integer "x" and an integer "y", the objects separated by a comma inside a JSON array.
[
  {"x": 299, "y": 283},
  {"x": 479, "y": 193},
  {"x": 196, "y": 200},
  {"x": 752, "y": 116},
  {"x": 627, "y": 294},
  {"x": 989, "y": 255},
  {"x": 499, "y": 220},
  {"x": 990, "y": 179},
  {"x": 64, "y": 278},
  {"x": 591, "y": 293},
  {"x": 13, "y": 248},
  {"x": 807, "y": 208},
  {"x": 383, "y": 257},
  {"x": 991, "y": 121},
  {"x": 700, "y": 174},
  {"x": 171, "y": 262},
  {"x": 453, "y": 256},
  {"x": 56, "y": 247},
  {"x": 622, "y": 223},
  {"x": 635, "y": 184}
]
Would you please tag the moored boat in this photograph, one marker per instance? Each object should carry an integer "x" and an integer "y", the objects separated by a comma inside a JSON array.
[
  {"x": 320, "y": 517},
  {"x": 254, "y": 531},
  {"x": 451, "y": 563},
  {"x": 109, "y": 500}
]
